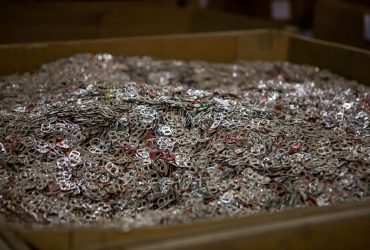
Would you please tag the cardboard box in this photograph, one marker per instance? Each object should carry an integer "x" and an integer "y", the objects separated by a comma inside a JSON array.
[
  {"x": 336, "y": 227},
  {"x": 53, "y": 21},
  {"x": 343, "y": 22}
]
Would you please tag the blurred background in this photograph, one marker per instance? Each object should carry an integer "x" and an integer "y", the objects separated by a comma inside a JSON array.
[{"x": 341, "y": 21}]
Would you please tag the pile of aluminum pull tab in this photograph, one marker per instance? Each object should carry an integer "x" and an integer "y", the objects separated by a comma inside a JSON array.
[{"x": 130, "y": 142}]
